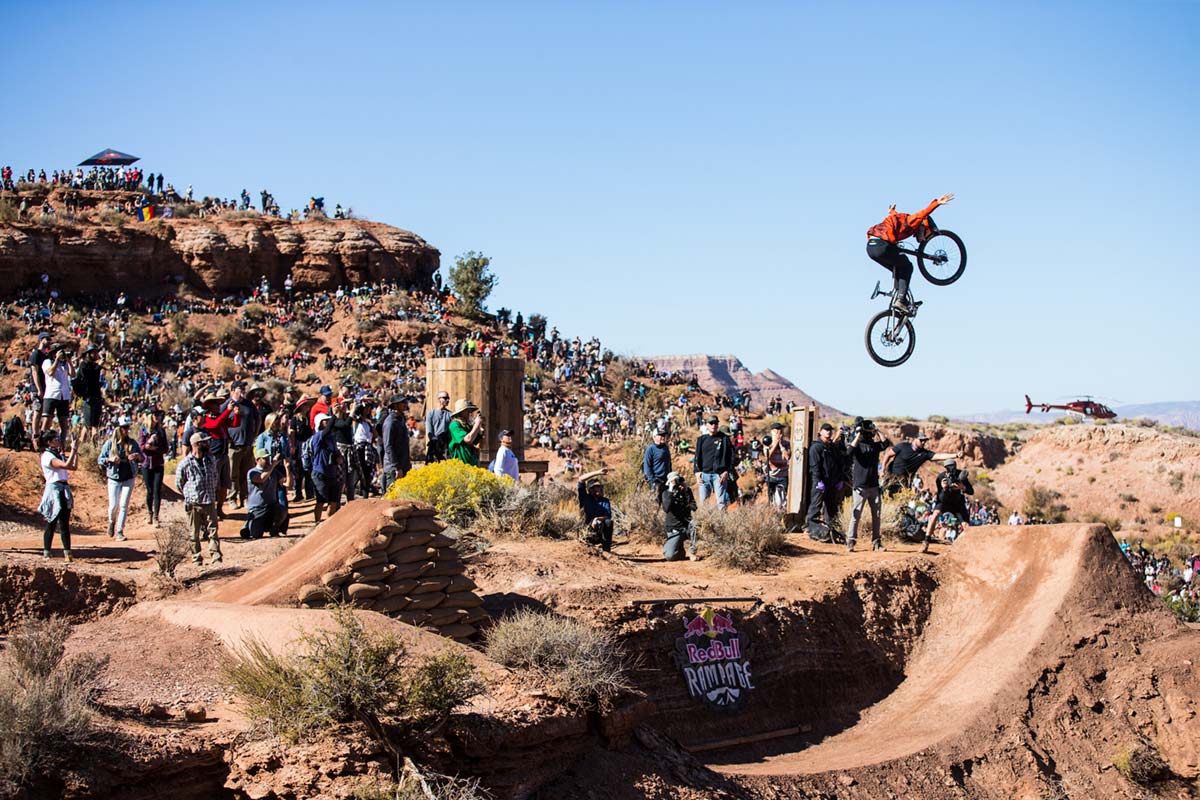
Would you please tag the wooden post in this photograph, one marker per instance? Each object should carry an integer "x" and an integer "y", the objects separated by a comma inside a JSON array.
[
  {"x": 496, "y": 385},
  {"x": 804, "y": 423}
]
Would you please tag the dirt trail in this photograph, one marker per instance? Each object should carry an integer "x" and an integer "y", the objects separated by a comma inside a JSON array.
[{"x": 1000, "y": 592}]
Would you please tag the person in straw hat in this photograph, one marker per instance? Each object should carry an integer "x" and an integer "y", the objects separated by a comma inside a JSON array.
[{"x": 466, "y": 430}]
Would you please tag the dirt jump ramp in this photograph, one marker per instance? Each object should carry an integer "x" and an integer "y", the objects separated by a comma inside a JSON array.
[
  {"x": 388, "y": 556},
  {"x": 1032, "y": 669}
]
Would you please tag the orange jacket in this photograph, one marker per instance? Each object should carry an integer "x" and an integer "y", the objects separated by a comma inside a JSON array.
[{"x": 897, "y": 227}]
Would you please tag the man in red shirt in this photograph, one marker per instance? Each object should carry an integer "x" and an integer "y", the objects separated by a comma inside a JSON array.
[{"x": 882, "y": 247}]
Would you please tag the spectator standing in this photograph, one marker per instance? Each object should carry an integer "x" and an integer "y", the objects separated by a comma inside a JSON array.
[
  {"x": 90, "y": 380},
  {"x": 437, "y": 429},
  {"x": 275, "y": 442},
  {"x": 301, "y": 431},
  {"x": 597, "y": 509},
  {"x": 678, "y": 503},
  {"x": 397, "y": 453},
  {"x": 241, "y": 435},
  {"x": 904, "y": 460},
  {"x": 38, "y": 357},
  {"x": 341, "y": 429},
  {"x": 121, "y": 458},
  {"x": 656, "y": 463},
  {"x": 714, "y": 463},
  {"x": 505, "y": 462},
  {"x": 219, "y": 415},
  {"x": 197, "y": 477},
  {"x": 321, "y": 406},
  {"x": 365, "y": 460},
  {"x": 779, "y": 460},
  {"x": 466, "y": 428},
  {"x": 57, "y": 372},
  {"x": 325, "y": 457},
  {"x": 153, "y": 443},
  {"x": 57, "y": 501},
  {"x": 865, "y": 447},
  {"x": 823, "y": 472}
]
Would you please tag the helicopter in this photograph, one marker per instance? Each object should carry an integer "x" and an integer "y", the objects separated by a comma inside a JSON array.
[{"x": 1086, "y": 407}]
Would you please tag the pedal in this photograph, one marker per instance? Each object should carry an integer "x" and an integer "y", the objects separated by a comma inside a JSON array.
[{"x": 877, "y": 292}]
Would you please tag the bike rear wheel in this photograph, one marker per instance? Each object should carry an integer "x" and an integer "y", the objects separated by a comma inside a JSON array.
[
  {"x": 889, "y": 342},
  {"x": 942, "y": 258}
]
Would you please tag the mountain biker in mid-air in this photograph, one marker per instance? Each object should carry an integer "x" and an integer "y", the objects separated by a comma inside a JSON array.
[{"x": 882, "y": 241}]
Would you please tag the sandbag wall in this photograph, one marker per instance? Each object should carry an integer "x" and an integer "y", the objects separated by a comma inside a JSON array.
[{"x": 406, "y": 568}]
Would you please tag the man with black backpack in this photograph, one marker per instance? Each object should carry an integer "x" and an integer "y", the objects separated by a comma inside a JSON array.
[{"x": 88, "y": 385}]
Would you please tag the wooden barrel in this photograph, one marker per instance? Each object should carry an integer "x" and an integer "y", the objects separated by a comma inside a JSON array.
[{"x": 496, "y": 385}]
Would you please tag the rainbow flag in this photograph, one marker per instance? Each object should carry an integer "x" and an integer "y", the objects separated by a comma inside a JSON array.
[{"x": 145, "y": 213}]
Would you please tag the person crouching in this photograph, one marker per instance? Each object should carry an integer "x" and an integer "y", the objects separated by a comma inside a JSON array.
[
  {"x": 264, "y": 512},
  {"x": 597, "y": 509},
  {"x": 678, "y": 503}
]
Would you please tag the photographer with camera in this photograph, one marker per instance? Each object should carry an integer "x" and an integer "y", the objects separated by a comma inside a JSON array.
[
  {"x": 466, "y": 432},
  {"x": 57, "y": 372},
  {"x": 778, "y": 458},
  {"x": 678, "y": 503},
  {"x": 953, "y": 485},
  {"x": 866, "y": 444}
]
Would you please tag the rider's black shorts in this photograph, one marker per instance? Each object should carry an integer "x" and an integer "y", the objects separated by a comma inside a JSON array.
[{"x": 885, "y": 253}]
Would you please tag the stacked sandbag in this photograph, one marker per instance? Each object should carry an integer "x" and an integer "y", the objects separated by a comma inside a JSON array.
[{"x": 407, "y": 568}]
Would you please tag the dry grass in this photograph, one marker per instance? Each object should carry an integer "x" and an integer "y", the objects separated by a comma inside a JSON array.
[
  {"x": 742, "y": 537},
  {"x": 578, "y": 663},
  {"x": 521, "y": 511},
  {"x": 173, "y": 543},
  {"x": 640, "y": 517},
  {"x": 46, "y": 702},
  {"x": 1141, "y": 764}
]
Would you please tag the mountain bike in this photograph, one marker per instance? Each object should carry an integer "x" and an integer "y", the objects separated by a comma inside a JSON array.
[{"x": 941, "y": 258}]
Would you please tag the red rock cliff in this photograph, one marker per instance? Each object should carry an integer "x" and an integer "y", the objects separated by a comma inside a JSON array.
[{"x": 221, "y": 253}]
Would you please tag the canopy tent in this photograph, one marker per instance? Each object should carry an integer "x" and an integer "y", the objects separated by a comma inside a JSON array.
[{"x": 109, "y": 158}]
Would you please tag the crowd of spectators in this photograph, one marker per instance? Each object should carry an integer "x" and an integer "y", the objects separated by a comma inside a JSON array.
[{"x": 1175, "y": 582}]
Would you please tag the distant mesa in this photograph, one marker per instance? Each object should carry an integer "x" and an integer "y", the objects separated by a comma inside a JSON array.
[{"x": 726, "y": 374}]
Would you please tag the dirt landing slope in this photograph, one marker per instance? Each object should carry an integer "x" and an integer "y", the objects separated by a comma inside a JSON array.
[{"x": 1014, "y": 612}]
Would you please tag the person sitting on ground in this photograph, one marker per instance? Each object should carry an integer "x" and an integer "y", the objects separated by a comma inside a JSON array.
[
  {"x": 57, "y": 501},
  {"x": 597, "y": 509},
  {"x": 264, "y": 514},
  {"x": 505, "y": 462},
  {"x": 883, "y": 247},
  {"x": 678, "y": 504},
  {"x": 275, "y": 441},
  {"x": 953, "y": 484},
  {"x": 197, "y": 477},
  {"x": 466, "y": 430}
]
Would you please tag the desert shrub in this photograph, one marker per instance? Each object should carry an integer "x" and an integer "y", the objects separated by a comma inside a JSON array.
[
  {"x": 639, "y": 516},
  {"x": 742, "y": 537},
  {"x": 46, "y": 701},
  {"x": 938, "y": 418},
  {"x": 1141, "y": 764},
  {"x": 1183, "y": 608},
  {"x": 1041, "y": 503},
  {"x": 8, "y": 470},
  {"x": 1176, "y": 481},
  {"x": 344, "y": 674},
  {"x": 396, "y": 302},
  {"x": 426, "y": 787},
  {"x": 299, "y": 333},
  {"x": 1112, "y": 523},
  {"x": 254, "y": 313},
  {"x": 1145, "y": 422},
  {"x": 9, "y": 211},
  {"x": 520, "y": 511},
  {"x": 1127, "y": 498},
  {"x": 367, "y": 324},
  {"x": 234, "y": 336},
  {"x": 173, "y": 542},
  {"x": 112, "y": 219},
  {"x": 185, "y": 333},
  {"x": 8, "y": 331},
  {"x": 456, "y": 489},
  {"x": 582, "y": 665},
  {"x": 136, "y": 332}
]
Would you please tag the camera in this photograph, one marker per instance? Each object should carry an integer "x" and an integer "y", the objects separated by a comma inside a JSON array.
[{"x": 766, "y": 441}]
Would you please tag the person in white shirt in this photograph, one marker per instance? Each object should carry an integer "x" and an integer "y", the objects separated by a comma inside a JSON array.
[
  {"x": 505, "y": 462},
  {"x": 57, "y": 399},
  {"x": 1015, "y": 519}
]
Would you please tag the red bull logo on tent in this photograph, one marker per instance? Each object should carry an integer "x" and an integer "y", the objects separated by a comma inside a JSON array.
[{"x": 712, "y": 654}]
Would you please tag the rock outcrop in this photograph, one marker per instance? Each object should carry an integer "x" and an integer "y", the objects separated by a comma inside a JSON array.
[
  {"x": 725, "y": 374},
  {"x": 217, "y": 254}
]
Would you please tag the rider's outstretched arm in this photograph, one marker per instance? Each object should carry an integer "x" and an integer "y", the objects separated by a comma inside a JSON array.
[{"x": 927, "y": 210}]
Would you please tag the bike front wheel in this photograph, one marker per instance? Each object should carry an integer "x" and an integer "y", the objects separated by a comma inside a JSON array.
[
  {"x": 890, "y": 341},
  {"x": 942, "y": 258}
]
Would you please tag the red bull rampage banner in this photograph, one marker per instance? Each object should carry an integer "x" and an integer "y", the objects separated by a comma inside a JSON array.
[{"x": 712, "y": 654}]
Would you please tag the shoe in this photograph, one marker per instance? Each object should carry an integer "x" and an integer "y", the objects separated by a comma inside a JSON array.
[
  {"x": 45, "y": 554},
  {"x": 925, "y": 547},
  {"x": 111, "y": 529},
  {"x": 906, "y": 308},
  {"x": 215, "y": 559},
  {"x": 66, "y": 558},
  {"x": 120, "y": 537},
  {"x": 876, "y": 546}
]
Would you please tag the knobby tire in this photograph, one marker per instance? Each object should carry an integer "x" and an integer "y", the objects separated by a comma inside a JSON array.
[
  {"x": 910, "y": 332},
  {"x": 929, "y": 246}
]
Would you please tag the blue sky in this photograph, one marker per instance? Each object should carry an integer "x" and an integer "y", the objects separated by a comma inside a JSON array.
[{"x": 698, "y": 177}]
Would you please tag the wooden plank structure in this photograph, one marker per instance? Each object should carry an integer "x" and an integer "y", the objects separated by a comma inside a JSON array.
[
  {"x": 804, "y": 432},
  {"x": 496, "y": 385}
]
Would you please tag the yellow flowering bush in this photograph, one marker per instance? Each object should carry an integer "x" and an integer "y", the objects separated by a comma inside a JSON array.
[{"x": 456, "y": 489}]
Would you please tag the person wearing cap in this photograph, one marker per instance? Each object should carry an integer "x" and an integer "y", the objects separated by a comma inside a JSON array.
[
  {"x": 826, "y": 482},
  {"x": 58, "y": 372},
  {"x": 953, "y": 485},
  {"x": 505, "y": 462},
  {"x": 90, "y": 379},
  {"x": 301, "y": 431},
  {"x": 325, "y": 459},
  {"x": 197, "y": 478},
  {"x": 241, "y": 434},
  {"x": 437, "y": 429},
  {"x": 466, "y": 430},
  {"x": 713, "y": 463},
  {"x": 40, "y": 353},
  {"x": 57, "y": 501},
  {"x": 903, "y": 461},
  {"x": 397, "y": 454},
  {"x": 865, "y": 447},
  {"x": 321, "y": 406},
  {"x": 341, "y": 429},
  {"x": 656, "y": 463},
  {"x": 264, "y": 514},
  {"x": 219, "y": 416},
  {"x": 120, "y": 457},
  {"x": 275, "y": 441},
  {"x": 596, "y": 508},
  {"x": 678, "y": 504},
  {"x": 366, "y": 459},
  {"x": 153, "y": 442},
  {"x": 779, "y": 460}
]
